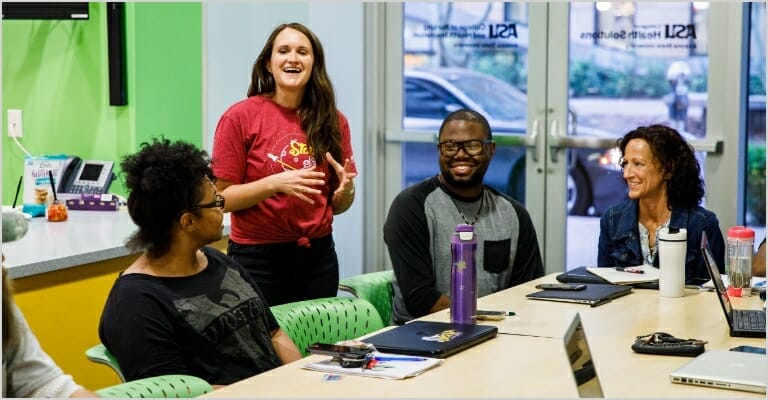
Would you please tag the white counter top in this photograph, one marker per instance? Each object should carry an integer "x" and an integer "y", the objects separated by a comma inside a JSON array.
[{"x": 85, "y": 237}]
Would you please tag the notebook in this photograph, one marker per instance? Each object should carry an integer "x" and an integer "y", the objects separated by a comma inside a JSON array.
[
  {"x": 388, "y": 366},
  {"x": 742, "y": 323},
  {"x": 431, "y": 339},
  {"x": 726, "y": 370},
  {"x": 595, "y": 294},
  {"x": 580, "y": 358},
  {"x": 583, "y": 275},
  {"x": 612, "y": 275}
]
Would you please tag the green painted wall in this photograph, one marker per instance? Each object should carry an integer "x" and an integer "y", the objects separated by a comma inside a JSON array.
[{"x": 56, "y": 73}]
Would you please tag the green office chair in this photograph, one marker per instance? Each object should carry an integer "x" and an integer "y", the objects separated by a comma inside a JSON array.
[
  {"x": 99, "y": 354},
  {"x": 376, "y": 287},
  {"x": 164, "y": 386},
  {"x": 326, "y": 320}
]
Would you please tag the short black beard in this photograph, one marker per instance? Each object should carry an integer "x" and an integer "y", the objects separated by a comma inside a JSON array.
[{"x": 474, "y": 181}]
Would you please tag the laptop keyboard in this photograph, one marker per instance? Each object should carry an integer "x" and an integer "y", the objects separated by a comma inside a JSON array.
[{"x": 751, "y": 320}]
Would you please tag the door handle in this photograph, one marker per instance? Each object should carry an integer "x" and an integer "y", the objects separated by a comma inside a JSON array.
[
  {"x": 555, "y": 141},
  {"x": 530, "y": 141}
]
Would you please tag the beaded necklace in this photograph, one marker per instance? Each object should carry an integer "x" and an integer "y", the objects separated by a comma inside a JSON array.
[{"x": 477, "y": 214}]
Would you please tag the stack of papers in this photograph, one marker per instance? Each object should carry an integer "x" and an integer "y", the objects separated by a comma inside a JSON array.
[
  {"x": 389, "y": 366},
  {"x": 649, "y": 274}
]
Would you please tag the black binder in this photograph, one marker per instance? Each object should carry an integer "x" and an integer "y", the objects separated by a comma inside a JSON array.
[{"x": 580, "y": 275}]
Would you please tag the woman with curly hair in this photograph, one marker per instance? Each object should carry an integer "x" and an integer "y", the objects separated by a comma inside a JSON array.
[
  {"x": 665, "y": 189},
  {"x": 182, "y": 307},
  {"x": 283, "y": 160}
]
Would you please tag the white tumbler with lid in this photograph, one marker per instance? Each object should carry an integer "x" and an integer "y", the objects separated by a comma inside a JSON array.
[
  {"x": 672, "y": 247},
  {"x": 739, "y": 255}
]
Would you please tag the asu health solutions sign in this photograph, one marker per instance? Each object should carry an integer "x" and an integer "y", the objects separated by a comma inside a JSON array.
[{"x": 482, "y": 35}]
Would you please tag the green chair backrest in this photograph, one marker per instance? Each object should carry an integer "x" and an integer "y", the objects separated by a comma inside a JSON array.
[
  {"x": 100, "y": 354},
  {"x": 164, "y": 386},
  {"x": 326, "y": 320},
  {"x": 376, "y": 287}
]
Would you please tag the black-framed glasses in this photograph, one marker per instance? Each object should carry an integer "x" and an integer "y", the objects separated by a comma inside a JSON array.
[
  {"x": 471, "y": 147},
  {"x": 219, "y": 202}
]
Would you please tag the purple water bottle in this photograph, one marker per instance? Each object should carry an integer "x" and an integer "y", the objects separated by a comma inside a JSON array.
[{"x": 463, "y": 275}]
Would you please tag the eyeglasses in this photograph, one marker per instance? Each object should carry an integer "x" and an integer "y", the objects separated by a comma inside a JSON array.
[
  {"x": 219, "y": 202},
  {"x": 471, "y": 147}
]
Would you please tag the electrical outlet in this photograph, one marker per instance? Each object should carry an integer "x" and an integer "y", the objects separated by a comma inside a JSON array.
[{"x": 14, "y": 123}]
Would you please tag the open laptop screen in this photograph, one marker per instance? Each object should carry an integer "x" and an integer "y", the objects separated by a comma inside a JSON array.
[
  {"x": 577, "y": 350},
  {"x": 714, "y": 273}
]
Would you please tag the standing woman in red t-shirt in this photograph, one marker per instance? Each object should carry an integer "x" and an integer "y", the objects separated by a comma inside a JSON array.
[{"x": 277, "y": 157}]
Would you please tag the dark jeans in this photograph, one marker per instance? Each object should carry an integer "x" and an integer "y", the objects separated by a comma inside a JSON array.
[{"x": 286, "y": 272}]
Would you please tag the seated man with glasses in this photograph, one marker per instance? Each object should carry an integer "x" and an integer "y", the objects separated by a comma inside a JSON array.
[
  {"x": 423, "y": 217},
  {"x": 182, "y": 307}
]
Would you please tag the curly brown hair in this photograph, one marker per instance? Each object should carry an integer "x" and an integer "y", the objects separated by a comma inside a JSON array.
[{"x": 675, "y": 156}]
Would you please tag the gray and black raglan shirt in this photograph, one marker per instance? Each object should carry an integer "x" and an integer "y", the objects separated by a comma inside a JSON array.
[{"x": 418, "y": 233}]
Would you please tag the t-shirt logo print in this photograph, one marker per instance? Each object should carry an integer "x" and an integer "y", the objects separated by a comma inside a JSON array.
[{"x": 292, "y": 155}]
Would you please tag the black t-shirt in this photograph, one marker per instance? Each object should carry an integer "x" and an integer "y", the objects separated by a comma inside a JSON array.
[{"x": 214, "y": 325}]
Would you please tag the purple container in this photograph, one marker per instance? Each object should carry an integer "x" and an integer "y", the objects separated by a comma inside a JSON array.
[{"x": 463, "y": 275}]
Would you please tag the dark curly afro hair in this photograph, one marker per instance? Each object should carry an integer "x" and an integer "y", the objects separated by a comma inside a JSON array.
[{"x": 164, "y": 180}]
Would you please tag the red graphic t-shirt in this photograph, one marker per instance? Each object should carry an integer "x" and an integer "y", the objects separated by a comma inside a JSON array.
[{"x": 256, "y": 138}]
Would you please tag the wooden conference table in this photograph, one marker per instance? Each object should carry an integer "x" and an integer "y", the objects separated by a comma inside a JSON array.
[{"x": 527, "y": 358}]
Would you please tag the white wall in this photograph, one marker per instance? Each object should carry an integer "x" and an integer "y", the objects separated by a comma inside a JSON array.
[{"x": 233, "y": 35}]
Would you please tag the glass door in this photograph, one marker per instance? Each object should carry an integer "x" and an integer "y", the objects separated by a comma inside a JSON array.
[
  {"x": 629, "y": 64},
  {"x": 560, "y": 83},
  {"x": 465, "y": 55}
]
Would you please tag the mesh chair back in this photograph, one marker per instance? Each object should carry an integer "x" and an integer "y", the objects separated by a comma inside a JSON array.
[
  {"x": 100, "y": 354},
  {"x": 376, "y": 287},
  {"x": 326, "y": 320},
  {"x": 164, "y": 386}
]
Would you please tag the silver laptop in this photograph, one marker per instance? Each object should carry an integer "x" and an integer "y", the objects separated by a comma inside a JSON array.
[
  {"x": 725, "y": 369},
  {"x": 742, "y": 323},
  {"x": 577, "y": 351}
]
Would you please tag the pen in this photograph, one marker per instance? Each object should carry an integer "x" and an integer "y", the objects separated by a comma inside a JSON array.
[
  {"x": 400, "y": 359},
  {"x": 630, "y": 270}
]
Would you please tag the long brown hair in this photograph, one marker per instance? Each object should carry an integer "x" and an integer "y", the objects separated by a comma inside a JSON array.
[{"x": 317, "y": 113}]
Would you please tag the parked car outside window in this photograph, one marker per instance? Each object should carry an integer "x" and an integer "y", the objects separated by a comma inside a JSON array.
[{"x": 594, "y": 182}]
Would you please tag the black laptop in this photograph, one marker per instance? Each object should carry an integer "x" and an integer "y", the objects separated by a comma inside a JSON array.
[
  {"x": 431, "y": 339},
  {"x": 595, "y": 294},
  {"x": 743, "y": 323}
]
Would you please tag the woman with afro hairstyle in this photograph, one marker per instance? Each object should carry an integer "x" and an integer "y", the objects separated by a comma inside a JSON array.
[
  {"x": 182, "y": 307},
  {"x": 665, "y": 189}
]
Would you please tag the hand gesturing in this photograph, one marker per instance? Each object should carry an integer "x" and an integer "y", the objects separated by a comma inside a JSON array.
[{"x": 344, "y": 173}]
